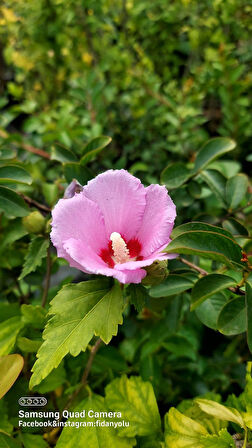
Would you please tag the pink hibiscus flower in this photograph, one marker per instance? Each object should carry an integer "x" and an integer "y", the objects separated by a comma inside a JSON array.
[{"x": 114, "y": 226}]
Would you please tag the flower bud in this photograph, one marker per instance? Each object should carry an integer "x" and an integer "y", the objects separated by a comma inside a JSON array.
[
  {"x": 72, "y": 188},
  {"x": 34, "y": 222},
  {"x": 156, "y": 273}
]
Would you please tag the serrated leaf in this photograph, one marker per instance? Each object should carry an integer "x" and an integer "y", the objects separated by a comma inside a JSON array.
[
  {"x": 9, "y": 330},
  {"x": 209, "y": 311},
  {"x": 211, "y": 150},
  {"x": 216, "y": 182},
  {"x": 79, "y": 311},
  {"x": 10, "y": 368},
  {"x": 209, "y": 285},
  {"x": 92, "y": 436},
  {"x": 173, "y": 284},
  {"x": 94, "y": 147},
  {"x": 219, "y": 411},
  {"x": 37, "y": 250},
  {"x": 62, "y": 154},
  {"x": 136, "y": 400},
  {"x": 14, "y": 174},
  {"x": 236, "y": 189},
  {"x": 12, "y": 204},
  {"x": 215, "y": 246},
  {"x": 232, "y": 318},
  {"x": 175, "y": 175},
  {"x": 249, "y": 314}
]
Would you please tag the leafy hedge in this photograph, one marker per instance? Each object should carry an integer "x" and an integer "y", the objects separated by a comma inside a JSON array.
[{"x": 166, "y": 96}]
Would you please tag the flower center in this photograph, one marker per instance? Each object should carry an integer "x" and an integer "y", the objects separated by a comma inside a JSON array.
[
  {"x": 119, "y": 247},
  {"x": 119, "y": 251}
]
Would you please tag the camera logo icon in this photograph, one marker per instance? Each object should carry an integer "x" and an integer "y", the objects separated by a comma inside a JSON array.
[{"x": 32, "y": 401}]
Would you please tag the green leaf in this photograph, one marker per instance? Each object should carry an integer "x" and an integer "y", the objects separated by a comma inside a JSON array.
[
  {"x": 235, "y": 227},
  {"x": 54, "y": 380},
  {"x": 90, "y": 435},
  {"x": 50, "y": 192},
  {"x": 175, "y": 175},
  {"x": 9, "y": 330},
  {"x": 213, "y": 149},
  {"x": 94, "y": 147},
  {"x": 14, "y": 232},
  {"x": 62, "y": 154},
  {"x": 5, "y": 425},
  {"x": 208, "y": 312},
  {"x": 173, "y": 284},
  {"x": 8, "y": 442},
  {"x": 232, "y": 318},
  {"x": 217, "y": 410},
  {"x": 192, "y": 226},
  {"x": 28, "y": 345},
  {"x": 138, "y": 295},
  {"x": 249, "y": 313},
  {"x": 79, "y": 311},
  {"x": 33, "y": 316},
  {"x": 216, "y": 182},
  {"x": 12, "y": 204},
  {"x": 76, "y": 171},
  {"x": 10, "y": 368},
  {"x": 135, "y": 399},
  {"x": 33, "y": 440},
  {"x": 6, "y": 154},
  {"x": 209, "y": 285},
  {"x": 14, "y": 174},
  {"x": 37, "y": 250},
  {"x": 215, "y": 246},
  {"x": 236, "y": 189}
]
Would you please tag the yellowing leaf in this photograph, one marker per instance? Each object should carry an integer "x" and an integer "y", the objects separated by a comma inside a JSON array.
[
  {"x": 10, "y": 368},
  {"x": 219, "y": 411},
  {"x": 136, "y": 400}
]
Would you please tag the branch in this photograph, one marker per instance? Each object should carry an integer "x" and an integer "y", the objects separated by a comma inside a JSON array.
[
  {"x": 236, "y": 290},
  {"x": 34, "y": 203},
  {"x": 26, "y": 146},
  {"x": 47, "y": 278},
  {"x": 86, "y": 372},
  {"x": 193, "y": 266}
]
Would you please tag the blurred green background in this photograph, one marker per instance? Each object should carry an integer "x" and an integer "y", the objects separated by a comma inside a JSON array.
[{"x": 158, "y": 77}]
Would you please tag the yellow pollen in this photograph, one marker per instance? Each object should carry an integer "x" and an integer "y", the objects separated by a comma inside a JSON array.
[{"x": 120, "y": 250}]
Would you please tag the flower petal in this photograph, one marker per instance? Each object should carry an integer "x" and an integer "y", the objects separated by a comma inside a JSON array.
[
  {"x": 78, "y": 218},
  {"x": 131, "y": 265},
  {"x": 89, "y": 261},
  {"x": 121, "y": 198},
  {"x": 158, "y": 220}
]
